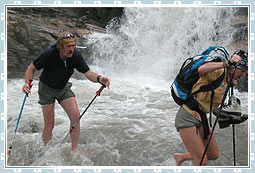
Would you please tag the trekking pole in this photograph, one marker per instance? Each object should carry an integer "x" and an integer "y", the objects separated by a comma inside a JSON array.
[
  {"x": 234, "y": 145},
  {"x": 78, "y": 120},
  {"x": 20, "y": 113},
  {"x": 217, "y": 117},
  {"x": 233, "y": 130}
]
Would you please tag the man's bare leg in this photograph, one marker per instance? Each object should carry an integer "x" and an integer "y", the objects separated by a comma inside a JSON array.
[
  {"x": 71, "y": 108},
  {"x": 48, "y": 116}
]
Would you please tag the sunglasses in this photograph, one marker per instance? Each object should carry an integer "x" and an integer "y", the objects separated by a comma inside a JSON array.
[{"x": 68, "y": 36}]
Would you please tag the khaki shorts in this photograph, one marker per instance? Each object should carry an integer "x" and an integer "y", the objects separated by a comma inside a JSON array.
[
  {"x": 48, "y": 95},
  {"x": 183, "y": 120}
]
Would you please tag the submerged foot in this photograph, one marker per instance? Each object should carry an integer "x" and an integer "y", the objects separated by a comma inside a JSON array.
[
  {"x": 78, "y": 152},
  {"x": 75, "y": 151},
  {"x": 178, "y": 158},
  {"x": 46, "y": 139}
]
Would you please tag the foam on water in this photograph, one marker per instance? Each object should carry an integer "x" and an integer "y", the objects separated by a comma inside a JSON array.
[{"x": 130, "y": 124}]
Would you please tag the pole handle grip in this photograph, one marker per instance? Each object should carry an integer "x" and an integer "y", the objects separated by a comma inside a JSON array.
[
  {"x": 30, "y": 83},
  {"x": 100, "y": 90}
]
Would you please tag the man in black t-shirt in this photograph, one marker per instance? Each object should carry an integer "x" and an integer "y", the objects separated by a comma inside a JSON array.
[{"x": 58, "y": 62}]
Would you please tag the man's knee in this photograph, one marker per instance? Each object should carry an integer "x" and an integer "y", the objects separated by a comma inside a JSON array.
[{"x": 74, "y": 116}]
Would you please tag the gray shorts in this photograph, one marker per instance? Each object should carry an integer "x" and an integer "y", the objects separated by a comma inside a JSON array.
[
  {"x": 183, "y": 120},
  {"x": 48, "y": 95}
]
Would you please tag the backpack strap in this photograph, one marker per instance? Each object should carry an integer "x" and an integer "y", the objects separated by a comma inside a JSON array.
[
  {"x": 211, "y": 103},
  {"x": 193, "y": 105},
  {"x": 211, "y": 86},
  {"x": 205, "y": 123}
]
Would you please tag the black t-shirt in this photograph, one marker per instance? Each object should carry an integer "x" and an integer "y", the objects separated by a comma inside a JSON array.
[{"x": 56, "y": 71}]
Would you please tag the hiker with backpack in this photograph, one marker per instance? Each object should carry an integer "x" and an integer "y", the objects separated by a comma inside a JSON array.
[{"x": 199, "y": 88}]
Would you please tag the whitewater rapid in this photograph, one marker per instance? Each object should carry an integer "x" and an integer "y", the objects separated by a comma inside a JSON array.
[{"x": 129, "y": 124}]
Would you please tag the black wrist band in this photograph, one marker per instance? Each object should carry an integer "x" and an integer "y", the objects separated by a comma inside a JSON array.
[{"x": 98, "y": 76}]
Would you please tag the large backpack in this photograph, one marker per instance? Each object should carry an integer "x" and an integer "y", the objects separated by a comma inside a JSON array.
[{"x": 188, "y": 74}]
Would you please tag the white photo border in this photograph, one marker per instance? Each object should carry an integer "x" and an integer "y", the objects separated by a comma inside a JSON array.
[{"x": 122, "y": 3}]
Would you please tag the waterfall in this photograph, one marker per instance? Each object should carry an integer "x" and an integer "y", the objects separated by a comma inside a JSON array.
[{"x": 153, "y": 42}]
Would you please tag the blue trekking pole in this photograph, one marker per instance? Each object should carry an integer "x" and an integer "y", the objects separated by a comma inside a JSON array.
[{"x": 20, "y": 113}]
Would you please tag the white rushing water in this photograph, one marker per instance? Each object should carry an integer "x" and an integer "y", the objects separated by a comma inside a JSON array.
[
  {"x": 132, "y": 123},
  {"x": 154, "y": 42}
]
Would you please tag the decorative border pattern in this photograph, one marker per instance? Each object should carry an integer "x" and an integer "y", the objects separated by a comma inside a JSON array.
[{"x": 3, "y": 85}]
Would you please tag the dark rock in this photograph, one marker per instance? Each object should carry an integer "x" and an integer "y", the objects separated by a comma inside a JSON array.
[
  {"x": 241, "y": 11},
  {"x": 242, "y": 84},
  {"x": 241, "y": 40}
]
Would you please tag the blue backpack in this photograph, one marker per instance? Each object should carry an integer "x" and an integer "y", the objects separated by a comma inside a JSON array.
[{"x": 188, "y": 74}]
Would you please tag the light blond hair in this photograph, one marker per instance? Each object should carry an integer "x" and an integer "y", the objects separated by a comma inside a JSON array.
[{"x": 61, "y": 39}]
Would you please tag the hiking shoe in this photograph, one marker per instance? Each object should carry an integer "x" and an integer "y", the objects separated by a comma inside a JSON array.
[{"x": 230, "y": 113}]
